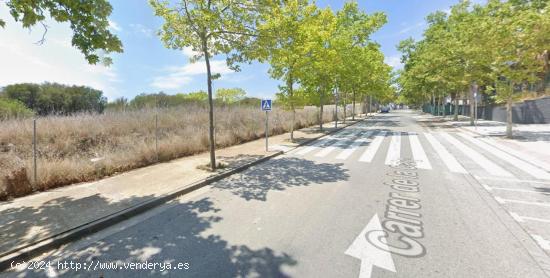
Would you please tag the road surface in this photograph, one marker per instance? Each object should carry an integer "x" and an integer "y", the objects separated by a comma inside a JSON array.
[{"x": 387, "y": 197}]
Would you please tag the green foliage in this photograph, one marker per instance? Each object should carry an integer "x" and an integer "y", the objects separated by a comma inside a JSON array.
[
  {"x": 119, "y": 104},
  {"x": 12, "y": 108},
  {"x": 52, "y": 98},
  {"x": 161, "y": 100},
  {"x": 199, "y": 96},
  {"x": 87, "y": 18},
  {"x": 479, "y": 44},
  {"x": 230, "y": 95},
  {"x": 210, "y": 28}
]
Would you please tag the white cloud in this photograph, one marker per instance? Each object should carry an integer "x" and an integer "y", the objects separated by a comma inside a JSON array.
[
  {"x": 142, "y": 30},
  {"x": 56, "y": 60},
  {"x": 412, "y": 27},
  {"x": 189, "y": 52},
  {"x": 114, "y": 26},
  {"x": 176, "y": 77},
  {"x": 394, "y": 61}
]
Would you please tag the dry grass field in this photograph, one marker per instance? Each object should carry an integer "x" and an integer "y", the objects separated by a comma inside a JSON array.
[{"x": 91, "y": 146}]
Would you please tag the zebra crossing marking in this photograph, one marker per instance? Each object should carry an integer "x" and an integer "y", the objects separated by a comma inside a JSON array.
[
  {"x": 520, "y": 164},
  {"x": 479, "y": 159},
  {"x": 418, "y": 152},
  {"x": 503, "y": 201},
  {"x": 353, "y": 147},
  {"x": 320, "y": 143},
  {"x": 394, "y": 151},
  {"x": 450, "y": 161},
  {"x": 521, "y": 155},
  {"x": 340, "y": 142},
  {"x": 373, "y": 147}
]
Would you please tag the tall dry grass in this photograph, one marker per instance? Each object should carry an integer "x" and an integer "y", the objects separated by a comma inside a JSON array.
[{"x": 86, "y": 147}]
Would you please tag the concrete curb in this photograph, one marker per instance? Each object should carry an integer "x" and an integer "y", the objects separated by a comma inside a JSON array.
[{"x": 27, "y": 251}]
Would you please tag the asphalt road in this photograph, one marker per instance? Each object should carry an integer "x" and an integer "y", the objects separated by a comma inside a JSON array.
[{"x": 388, "y": 197}]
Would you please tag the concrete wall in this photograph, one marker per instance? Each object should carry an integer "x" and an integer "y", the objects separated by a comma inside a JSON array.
[{"x": 527, "y": 112}]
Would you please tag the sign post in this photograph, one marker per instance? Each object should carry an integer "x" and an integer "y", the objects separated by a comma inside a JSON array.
[{"x": 266, "y": 106}]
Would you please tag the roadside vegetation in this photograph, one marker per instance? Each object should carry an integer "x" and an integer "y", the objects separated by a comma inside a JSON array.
[
  {"x": 322, "y": 56},
  {"x": 500, "y": 48},
  {"x": 86, "y": 147}
]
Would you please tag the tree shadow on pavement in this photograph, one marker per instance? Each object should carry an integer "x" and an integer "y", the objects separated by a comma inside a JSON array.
[
  {"x": 280, "y": 174},
  {"x": 174, "y": 237},
  {"x": 24, "y": 225}
]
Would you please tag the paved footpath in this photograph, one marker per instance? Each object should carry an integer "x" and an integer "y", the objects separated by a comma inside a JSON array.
[{"x": 388, "y": 197}]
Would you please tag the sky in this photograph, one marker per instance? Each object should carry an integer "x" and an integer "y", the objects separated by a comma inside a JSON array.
[{"x": 146, "y": 66}]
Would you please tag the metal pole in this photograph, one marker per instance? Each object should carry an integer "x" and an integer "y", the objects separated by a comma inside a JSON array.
[
  {"x": 266, "y": 130},
  {"x": 157, "y": 135},
  {"x": 34, "y": 151}
]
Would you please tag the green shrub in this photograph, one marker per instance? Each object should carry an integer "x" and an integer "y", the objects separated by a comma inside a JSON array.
[{"x": 12, "y": 109}]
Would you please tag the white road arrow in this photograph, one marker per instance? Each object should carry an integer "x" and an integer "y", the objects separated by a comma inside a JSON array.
[{"x": 368, "y": 254}]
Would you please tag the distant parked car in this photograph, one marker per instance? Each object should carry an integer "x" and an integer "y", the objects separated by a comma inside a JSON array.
[{"x": 385, "y": 109}]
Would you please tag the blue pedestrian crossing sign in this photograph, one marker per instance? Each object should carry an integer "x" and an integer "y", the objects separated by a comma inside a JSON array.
[{"x": 266, "y": 105}]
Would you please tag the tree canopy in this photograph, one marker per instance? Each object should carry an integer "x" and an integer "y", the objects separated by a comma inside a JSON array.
[
  {"x": 53, "y": 98},
  {"x": 496, "y": 45},
  {"x": 88, "y": 20}
]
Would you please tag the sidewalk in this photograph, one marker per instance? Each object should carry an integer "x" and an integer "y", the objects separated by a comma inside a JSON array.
[
  {"x": 28, "y": 220},
  {"x": 533, "y": 140}
]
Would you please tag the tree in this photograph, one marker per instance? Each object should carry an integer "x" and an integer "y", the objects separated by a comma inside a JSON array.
[
  {"x": 282, "y": 44},
  {"x": 519, "y": 35},
  {"x": 87, "y": 19},
  {"x": 48, "y": 98},
  {"x": 198, "y": 96},
  {"x": 317, "y": 76},
  {"x": 12, "y": 109},
  {"x": 229, "y": 96},
  {"x": 209, "y": 28},
  {"x": 355, "y": 52},
  {"x": 494, "y": 45}
]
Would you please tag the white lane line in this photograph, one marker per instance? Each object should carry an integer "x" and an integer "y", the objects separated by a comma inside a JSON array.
[
  {"x": 418, "y": 153},
  {"x": 520, "y": 164},
  {"x": 490, "y": 188},
  {"x": 449, "y": 160},
  {"x": 520, "y": 218},
  {"x": 518, "y": 154},
  {"x": 319, "y": 143},
  {"x": 510, "y": 179},
  {"x": 373, "y": 147},
  {"x": 353, "y": 147},
  {"x": 481, "y": 160},
  {"x": 340, "y": 142},
  {"x": 543, "y": 243},
  {"x": 394, "y": 151},
  {"x": 503, "y": 201}
]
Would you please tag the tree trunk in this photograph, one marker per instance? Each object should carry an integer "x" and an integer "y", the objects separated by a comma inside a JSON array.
[
  {"x": 509, "y": 117},
  {"x": 370, "y": 104},
  {"x": 345, "y": 108},
  {"x": 353, "y": 107},
  {"x": 321, "y": 113},
  {"x": 456, "y": 109},
  {"x": 211, "y": 109},
  {"x": 291, "y": 95},
  {"x": 441, "y": 105},
  {"x": 471, "y": 96}
]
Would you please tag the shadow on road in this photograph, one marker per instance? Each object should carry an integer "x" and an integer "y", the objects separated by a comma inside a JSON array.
[
  {"x": 29, "y": 224},
  {"x": 176, "y": 235},
  {"x": 280, "y": 174}
]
